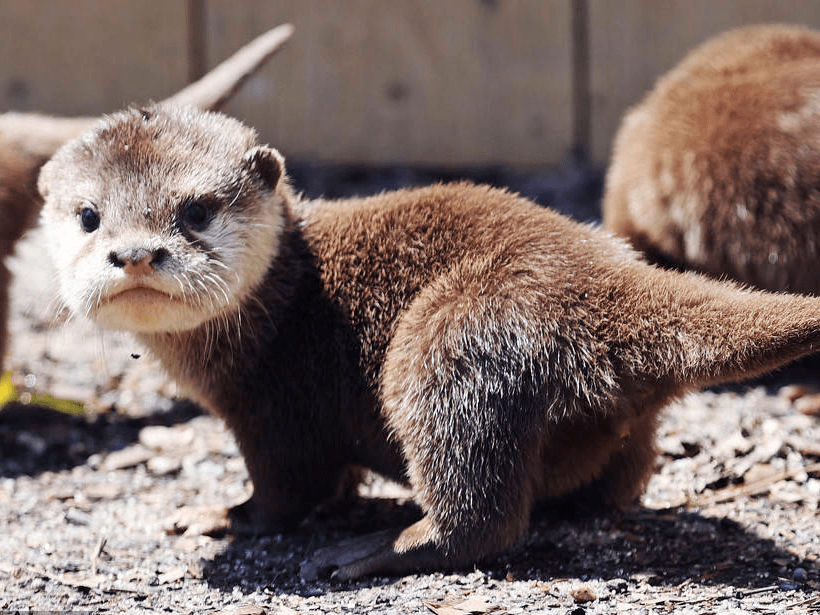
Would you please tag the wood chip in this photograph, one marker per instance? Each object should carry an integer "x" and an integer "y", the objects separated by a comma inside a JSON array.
[
  {"x": 126, "y": 458},
  {"x": 245, "y": 609},
  {"x": 173, "y": 575},
  {"x": 82, "y": 580},
  {"x": 10, "y": 569}
]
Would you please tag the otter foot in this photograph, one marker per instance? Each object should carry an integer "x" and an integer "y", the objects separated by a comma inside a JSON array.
[
  {"x": 242, "y": 519},
  {"x": 379, "y": 552},
  {"x": 200, "y": 520}
]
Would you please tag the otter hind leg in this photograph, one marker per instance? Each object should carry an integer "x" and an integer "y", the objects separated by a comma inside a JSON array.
[
  {"x": 386, "y": 552},
  {"x": 464, "y": 396}
]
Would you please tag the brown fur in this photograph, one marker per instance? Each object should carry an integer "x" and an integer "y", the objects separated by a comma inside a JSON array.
[
  {"x": 718, "y": 169},
  {"x": 27, "y": 141},
  {"x": 487, "y": 351}
]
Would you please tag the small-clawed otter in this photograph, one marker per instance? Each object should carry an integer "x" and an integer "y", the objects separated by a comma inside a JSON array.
[
  {"x": 718, "y": 168},
  {"x": 459, "y": 338},
  {"x": 27, "y": 140}
]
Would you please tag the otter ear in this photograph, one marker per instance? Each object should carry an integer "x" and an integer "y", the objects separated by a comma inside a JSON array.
[
  {"x": 267, "y": 163},
  {"x": 43, "y": 180}
]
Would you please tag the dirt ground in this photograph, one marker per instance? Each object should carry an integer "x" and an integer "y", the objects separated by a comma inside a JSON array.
[{"x": 90, "y": 500}]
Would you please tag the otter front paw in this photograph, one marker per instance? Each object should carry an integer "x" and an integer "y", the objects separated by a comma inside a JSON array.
[
  {"x": 243, "y": 519},
  {"x": 200, "y": 520}
]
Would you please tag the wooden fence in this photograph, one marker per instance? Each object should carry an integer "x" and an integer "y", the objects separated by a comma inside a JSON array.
[{"x": 444, "y": 82}]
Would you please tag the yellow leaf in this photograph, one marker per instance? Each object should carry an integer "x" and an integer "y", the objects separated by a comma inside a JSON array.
[
  {"x": 66, "y": 406},
  {"x": 8, "y": 392}
]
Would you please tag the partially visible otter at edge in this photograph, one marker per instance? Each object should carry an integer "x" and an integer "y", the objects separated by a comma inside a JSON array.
[
  {"x": 457, "y": 338},
  {"x": 27, "y": 140},
  {"x": 718, "y": 168}
]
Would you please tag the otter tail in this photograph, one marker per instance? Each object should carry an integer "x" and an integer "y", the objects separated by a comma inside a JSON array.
[
  {"x": 214, "y": 89},
  {"x": 705, "y": 333},
  {"x": 35, "y": 137}
]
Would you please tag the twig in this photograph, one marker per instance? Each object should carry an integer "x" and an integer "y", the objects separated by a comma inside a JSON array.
[
  {"x": 814, "y": 600},
  {"x": 758, "y": 486},
  {"x": 95, "y": 555},
  {"x": 737, "y": 594}
]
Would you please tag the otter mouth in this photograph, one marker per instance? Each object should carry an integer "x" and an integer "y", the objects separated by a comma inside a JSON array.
[{"x": 141, "y": 294}]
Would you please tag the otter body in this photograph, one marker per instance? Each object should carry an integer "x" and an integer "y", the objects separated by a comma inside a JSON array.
[
  {"x": 718, "y": 168},
  {"x": 458, "y": 338}
]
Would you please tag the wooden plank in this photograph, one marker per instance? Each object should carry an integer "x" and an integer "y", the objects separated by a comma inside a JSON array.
[
  {"x": 88, "y": 57},
  {"x": 633, "y": 42},
  {"x": 451, "y": 83}
]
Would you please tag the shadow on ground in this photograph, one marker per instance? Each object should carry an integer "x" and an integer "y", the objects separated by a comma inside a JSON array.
[
  {"x": 36, "y": 439},
  {"x": 665, "y": 547}
]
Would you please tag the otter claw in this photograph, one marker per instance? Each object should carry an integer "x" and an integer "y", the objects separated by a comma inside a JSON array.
[{"x": 349, "y": 558}]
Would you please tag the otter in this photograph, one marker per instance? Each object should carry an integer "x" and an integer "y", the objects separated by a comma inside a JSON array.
[
  {"x": 718, "y": 168},
  {"x": 27, "y": 140},
  {"x": 458, "y": 338}
]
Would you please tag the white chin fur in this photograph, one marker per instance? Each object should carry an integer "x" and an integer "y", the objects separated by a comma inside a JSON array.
[{"x": 146, "y": 312}]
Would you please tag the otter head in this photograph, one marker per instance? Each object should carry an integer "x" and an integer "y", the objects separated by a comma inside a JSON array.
[{"x": 161, "y": 218}]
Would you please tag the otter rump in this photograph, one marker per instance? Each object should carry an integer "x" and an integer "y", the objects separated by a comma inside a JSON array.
[{"x": 459, "y": 338}]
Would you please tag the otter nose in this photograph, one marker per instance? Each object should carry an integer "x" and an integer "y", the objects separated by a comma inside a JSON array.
[{"x": 138, "y": 261}]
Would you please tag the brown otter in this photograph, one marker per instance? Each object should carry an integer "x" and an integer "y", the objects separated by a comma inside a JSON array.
[
  {"x": 718, "y": 168},
  {"x": 487, "y": 351},
  {"x": 27, "y": 140}
]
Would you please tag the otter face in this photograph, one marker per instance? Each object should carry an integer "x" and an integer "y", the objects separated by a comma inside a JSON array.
[{"x": 162, "y": 219}]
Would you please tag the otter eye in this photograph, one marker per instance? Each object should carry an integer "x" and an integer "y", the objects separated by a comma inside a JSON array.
[
  {"x": 195, "y": 215},
  {"x": 89, "y": 220}
]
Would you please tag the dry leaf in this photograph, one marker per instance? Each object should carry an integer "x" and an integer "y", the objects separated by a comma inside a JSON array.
[
  {"x": 473, "y": 605},
  {"x": 809, "y": 405},
  {"x": 583, "y": 594},
  {"x": 793, "y": 392}
]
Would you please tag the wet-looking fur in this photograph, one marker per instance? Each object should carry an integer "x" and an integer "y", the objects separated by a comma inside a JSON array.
[
  {"x": 718, "y": 168},
  {"x": 459, "y": 338}
]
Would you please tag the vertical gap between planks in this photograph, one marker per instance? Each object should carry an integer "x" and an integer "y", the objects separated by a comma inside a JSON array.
[
  {"x": 581, "y": 102},
  {"x": 196, "y": 39}
]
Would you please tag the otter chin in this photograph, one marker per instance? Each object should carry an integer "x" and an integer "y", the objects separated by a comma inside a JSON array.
[
  {"x": 487, "y": 352},
  {"x": 147, "y": 310}
]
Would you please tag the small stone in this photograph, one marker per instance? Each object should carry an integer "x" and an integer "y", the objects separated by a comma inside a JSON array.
[
  {"x": 77, "y": 517},
  {"x": 162, "y": 465},
  {"x": 102, "y": 491},
  {"x": 165, "y": 438},
  {"x": 800, "y": 575}
]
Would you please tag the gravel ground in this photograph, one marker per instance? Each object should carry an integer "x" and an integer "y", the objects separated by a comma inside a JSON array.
[{"x": 90, "y": 501}]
